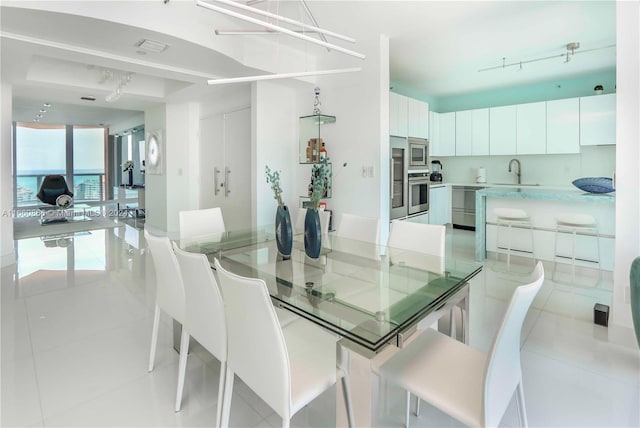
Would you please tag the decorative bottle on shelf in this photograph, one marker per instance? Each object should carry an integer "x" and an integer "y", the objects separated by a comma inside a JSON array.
[
  {"x": 314, "y": 150},
  {"x": 323, "y": 152},
  {"x": 309, "y": 151}
]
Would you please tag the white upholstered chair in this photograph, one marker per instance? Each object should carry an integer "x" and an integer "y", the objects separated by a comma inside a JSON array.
[
  {"x": 204, "y": 318},
  {"x": 170, "y": 296},
  {"x": 461, "y": 381},
  {"x": 198, "y": 224},
  {"x": 288, "y": 368},
  {"x": 360, "y": 228},
  {"x": 417, "y": 238}
]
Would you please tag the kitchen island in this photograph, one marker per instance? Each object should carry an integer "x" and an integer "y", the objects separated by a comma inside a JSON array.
[{"x": 542, "y": 205}]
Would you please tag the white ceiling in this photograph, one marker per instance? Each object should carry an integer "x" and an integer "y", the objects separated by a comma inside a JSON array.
[{"x": 436, "y": 49}]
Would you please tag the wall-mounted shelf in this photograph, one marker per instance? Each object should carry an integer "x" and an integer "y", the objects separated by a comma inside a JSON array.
[{"x": 310, "y": 136}]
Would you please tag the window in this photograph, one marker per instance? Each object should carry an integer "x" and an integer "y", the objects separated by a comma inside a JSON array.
[{"x": 77, "y": 153}]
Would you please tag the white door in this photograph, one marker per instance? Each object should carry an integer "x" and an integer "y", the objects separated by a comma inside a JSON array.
[{"x": 228, "y": 166}]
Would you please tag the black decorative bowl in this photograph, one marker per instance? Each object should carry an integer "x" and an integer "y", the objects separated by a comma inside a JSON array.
[{"x": 594, "y": 184}]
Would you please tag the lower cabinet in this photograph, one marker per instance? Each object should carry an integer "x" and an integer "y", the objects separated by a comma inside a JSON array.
[{"x": 440, "y": 205}]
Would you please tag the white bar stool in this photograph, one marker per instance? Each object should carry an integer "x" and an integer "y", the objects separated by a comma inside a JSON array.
[
  {"x": 510, "y": 217},
  {"x": 574, "y": 224}
]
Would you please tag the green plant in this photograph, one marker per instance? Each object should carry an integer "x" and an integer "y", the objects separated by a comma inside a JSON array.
[
  {"x": 273, "y": 178},
  {"x": 320, "y": 182}
]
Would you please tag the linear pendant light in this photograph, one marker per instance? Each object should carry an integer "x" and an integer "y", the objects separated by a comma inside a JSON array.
[
  {"x": 287, "y": 20},
  {"x": 281, "y": 76},
  {"x": 279, "y": 29}
]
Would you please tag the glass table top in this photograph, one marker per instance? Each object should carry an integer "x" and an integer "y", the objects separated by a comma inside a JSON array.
[{"x": 364, "y": 292}]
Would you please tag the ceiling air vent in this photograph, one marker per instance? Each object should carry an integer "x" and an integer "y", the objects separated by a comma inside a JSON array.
[
  {"x": 151, "y": 46},
  {"x": 88, "y": 98}
]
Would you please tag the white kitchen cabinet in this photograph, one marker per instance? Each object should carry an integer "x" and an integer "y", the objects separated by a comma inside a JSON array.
[
  {"x": 563, "y": 126},
  {"x": 434, "y": 133},
  {"x": 480, "y": 132},
  {"x": 598, "y": 120},
  {"x": 418, "y": 118},
  {"x": 398, "y": 114},
  {"x": 502, "y": 130},
  {"x": 446, "y": 142},
  {"x": 463, "y": 133},
  {"x": 440, "y": 205},
  {"x": 531, "y": 128}
]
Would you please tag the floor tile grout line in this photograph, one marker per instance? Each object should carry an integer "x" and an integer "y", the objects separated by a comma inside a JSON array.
[{"x": 33, "y": 361}]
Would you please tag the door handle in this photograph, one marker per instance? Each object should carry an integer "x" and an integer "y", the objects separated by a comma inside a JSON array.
[
  {"x": 392, "y": 179},
  {"x": 216, "y": 171},
  {"x": 227, "y": 188}
]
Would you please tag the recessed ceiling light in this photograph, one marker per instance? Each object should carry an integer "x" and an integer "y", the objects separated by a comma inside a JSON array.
[
  {"x": 38, "y": 115},
  {"x": 151, "y": 46},
  {"x": 42, "y": 110},
  {"x": 47, "y": 104},
  {"x": 36, "y": 119}
]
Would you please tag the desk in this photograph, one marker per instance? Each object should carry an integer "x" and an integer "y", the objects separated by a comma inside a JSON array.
[{"x": 353, "y": 289}]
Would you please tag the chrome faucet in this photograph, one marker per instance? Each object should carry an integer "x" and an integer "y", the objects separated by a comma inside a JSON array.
[{"x": 519, "y": 173}]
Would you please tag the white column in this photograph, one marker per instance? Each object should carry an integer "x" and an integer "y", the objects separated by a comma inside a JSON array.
[
  {"x": 6, "y": 177},
  {"x": 627, "y": 156}
]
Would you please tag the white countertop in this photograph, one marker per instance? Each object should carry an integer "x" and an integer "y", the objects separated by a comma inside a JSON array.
[{"x": 483, "y": 185}]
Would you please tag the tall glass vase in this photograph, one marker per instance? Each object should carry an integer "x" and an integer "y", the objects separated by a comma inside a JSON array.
[
  {"x": 130, "y": 178},
  {"x": 284, "y": 234},
  {"x": 312, "y": 234}
]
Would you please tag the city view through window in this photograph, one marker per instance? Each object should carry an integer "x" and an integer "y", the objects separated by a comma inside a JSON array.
[{"x": 43, "y": 150}]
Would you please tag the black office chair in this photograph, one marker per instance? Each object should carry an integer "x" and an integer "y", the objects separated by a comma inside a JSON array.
[{"x": 52, "y": 187}]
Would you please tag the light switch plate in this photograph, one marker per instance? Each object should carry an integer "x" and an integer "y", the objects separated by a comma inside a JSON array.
[{"x": 371, "y": 171}]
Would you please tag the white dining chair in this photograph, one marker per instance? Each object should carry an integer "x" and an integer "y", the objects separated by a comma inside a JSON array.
[
  {"x": 468, "y": 385},
  {"x": 204, "y": 318},
  {"x": 325, "y": 217},
  {"x": 206, "y": 223},
  {"x": 407, "y": 240},
  {"x": 359, "y": 228},
  {"x": 170, "y": 296},
  {"x": 288, "y": 368}
]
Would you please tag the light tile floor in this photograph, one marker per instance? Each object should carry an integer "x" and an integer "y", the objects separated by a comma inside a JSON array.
[{"x": 76, "y": 321}]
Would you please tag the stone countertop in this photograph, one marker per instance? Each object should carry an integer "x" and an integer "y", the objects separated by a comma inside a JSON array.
[
  {"x": 528, "y": 192},
  {"x": 505, "y": 185}
]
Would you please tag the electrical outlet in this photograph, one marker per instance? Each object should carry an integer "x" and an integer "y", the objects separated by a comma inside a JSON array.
[
  {"x": 371, "y": 171},
  {"x": 364, "y": 172}
]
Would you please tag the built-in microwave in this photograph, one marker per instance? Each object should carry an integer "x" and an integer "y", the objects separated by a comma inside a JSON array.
[{"x": 418, "y": 153}]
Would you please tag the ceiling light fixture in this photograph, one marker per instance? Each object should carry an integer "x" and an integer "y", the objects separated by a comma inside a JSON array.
[
  {"x": 47, "y": 104},
  {"x": 278, "y": 28},
  {"x": 117, "y": 93},
  {"x": 281, "y": 76},
  {"x": 265, "y": 32},
  {"x": 567, "y": 55},
  {"x": 279, "y": 18}
]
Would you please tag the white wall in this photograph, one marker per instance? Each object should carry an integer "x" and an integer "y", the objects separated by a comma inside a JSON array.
[
  {"x": 156, "y": 185},
  {"x": 550, "y": 170},
  {"x": 131, "y": 122},
  {"x": 274, "y": 142},
  {"x": 360, "y": 135},
  {"x": 6, "y": 177},
  {"x": 627, "y": 156}
]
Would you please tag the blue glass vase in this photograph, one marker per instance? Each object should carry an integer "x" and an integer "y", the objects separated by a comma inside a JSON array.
[
  {"x": 312, "y": 234},
  {"x": 284, "y": 234}
]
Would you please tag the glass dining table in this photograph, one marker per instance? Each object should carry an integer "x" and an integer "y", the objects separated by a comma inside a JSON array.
[{"x": 372, "y": 296}]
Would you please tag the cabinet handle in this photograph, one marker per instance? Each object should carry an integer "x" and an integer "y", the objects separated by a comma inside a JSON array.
[
  {"x": 227, "y": 188},
  {"x": 216, "y": 171},
  {"x": 391, "y": 181}
]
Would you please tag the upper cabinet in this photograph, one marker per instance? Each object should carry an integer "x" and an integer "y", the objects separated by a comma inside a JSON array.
[
  {"x": 445, "y": 145},
  {"x": 480, "y": 132},
  {"x": 408, "y": 117},
  {"x": 502, "y": 130},
  {"x": 398, "y": 114},
  {"x": 563, "y": 126},
  {"x": 418, "y": 119},
  {"x": 434, "y": 133},
  {"x": 463, "y": 133},
  {"x": 598, "y": 120},
  {"x": 531, "y": 128}
]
